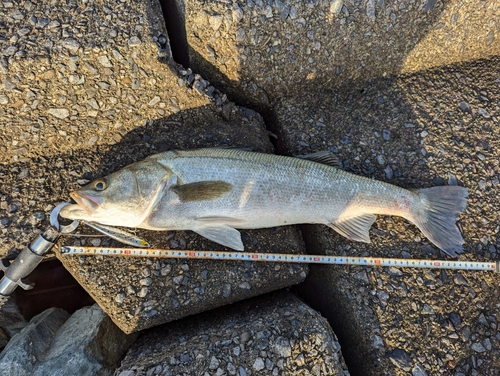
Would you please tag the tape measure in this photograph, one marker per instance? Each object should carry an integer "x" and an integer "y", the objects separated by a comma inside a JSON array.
[{"x": 280, "y": 257}]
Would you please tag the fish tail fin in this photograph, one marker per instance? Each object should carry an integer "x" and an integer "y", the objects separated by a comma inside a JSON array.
[{"x": 437, "y": 215}]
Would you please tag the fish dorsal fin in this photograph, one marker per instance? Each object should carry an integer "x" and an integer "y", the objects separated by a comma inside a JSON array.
[
  {"x": 355, "y": 228},
  {"x": 222, "y": 234},
  {"x": 202, "y": 191},
  {"x": 325, "y": 157}
]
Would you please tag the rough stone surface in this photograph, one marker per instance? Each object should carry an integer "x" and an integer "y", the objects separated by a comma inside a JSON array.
[
  {"x": 53, "y": 343},
  {"x": 11, "y": 322},
  {"x": 257, "y": 51},
  {"x": 275, "y": 334},
  {"x": 20, "y": 355},
  {"x": 105, "y": 94},
  {"x": 394, "y": 320},
  {"x": 88, "y": 343}
]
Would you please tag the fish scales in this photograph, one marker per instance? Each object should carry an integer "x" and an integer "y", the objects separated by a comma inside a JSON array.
[{"x": 216, "y": 191}]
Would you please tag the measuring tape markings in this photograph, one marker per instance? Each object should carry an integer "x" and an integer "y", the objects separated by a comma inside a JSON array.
[{"x": 281, "y": 257}]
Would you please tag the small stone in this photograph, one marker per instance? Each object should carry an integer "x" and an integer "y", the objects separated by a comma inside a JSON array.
[
  {"x": 9, "y": 51},
  {"x": 146, "y": 282},
  {"x": 389, "y": 173},
  {"x": 103, "y": 59},
  {"x": 143, "y": 292},
  {"x": 418, "y": 370},
  {"x": 60, "y": 113},
  {"x": 336, "y": 6},
  {"x": 370, "y": 10},
  {"x": 400, "y": 359},
  {"x": 4, "y": 66},
  {"x": 386, "y": 134},
  {"x": 103, "y": 85},
  {"x": 381, "y": 160},
  {"x": 120, "y": 298},
  {"x": 4, "y": 99},
  {"x": 378, "y": 343},
  {"x": 478, "y": 347},
  {"x": 226, "y": 290},
  {"x": 464, "y": 106},
  {"x": 258, "y": 364},
  {"x": 4, "y": 222},
  {"x": 282, "y": 347},
  {"x": 427, "y": 310},
  {"x": 487, "y": 344},
  {"x": 240, "y": 35},
  {"x": 134, "y": 41},
  {"x": 153, "y": 102},
  {"x": 481, "y": 111},
  {"x": 459, "y": 279},
  {"x": 71, "y": 44},
  {"x": 455, "y": 320},
  {"x": 214, "y": 363},
  {"x": 244, "y": 285},
  {"x": 96, "y": 242},
  {"x": 215, "y": 21}
]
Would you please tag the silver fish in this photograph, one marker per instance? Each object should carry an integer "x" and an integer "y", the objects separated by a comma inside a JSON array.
[{"x": 213, "y": 192}]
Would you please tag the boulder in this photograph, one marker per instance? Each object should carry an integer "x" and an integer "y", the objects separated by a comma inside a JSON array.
[{"x": 273, "y": 334}]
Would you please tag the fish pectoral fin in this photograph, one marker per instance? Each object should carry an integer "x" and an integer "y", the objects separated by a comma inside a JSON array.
[
  {"x": 324, "y": 157},
  {"x": 222, "y": 234},
  {"x": 355, "y": 228},
  {"x": 202, "y": 191}
]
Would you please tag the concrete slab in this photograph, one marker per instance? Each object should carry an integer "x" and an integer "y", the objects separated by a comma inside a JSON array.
[
  {"x": 275, "y": 334},
  {"x": 258, "y": 51},
  {"x": 419, "y": 130},
  {"x": 89, "y": 89}
]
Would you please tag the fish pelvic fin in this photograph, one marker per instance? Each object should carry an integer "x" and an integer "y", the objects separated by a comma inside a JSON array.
[
  {"x": 355, "y": 228},
  {"x": 222, "y": 234},
  {"x": 437, "y": 216}
]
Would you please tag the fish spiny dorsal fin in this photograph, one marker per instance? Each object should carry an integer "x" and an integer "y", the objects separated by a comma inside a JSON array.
[
  {"x": 202, "y": 191},
  {"x": 325, "y": 157}
]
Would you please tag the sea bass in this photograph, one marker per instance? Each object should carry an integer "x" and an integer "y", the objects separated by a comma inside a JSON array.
[{"x": 214, "y": 191}]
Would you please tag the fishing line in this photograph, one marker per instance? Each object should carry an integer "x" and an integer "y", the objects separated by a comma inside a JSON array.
[{"x": 281, "y": 257}]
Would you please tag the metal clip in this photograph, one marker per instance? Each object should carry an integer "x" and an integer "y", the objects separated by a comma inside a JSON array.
[{"x": 31, "y": 256}]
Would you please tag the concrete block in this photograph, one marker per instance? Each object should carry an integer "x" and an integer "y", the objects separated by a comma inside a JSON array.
[{"x": 275, "y": 334}]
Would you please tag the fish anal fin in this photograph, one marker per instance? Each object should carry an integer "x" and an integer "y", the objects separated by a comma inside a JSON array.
[
  {"x": 324, "y": 157},
  {"x": 355, "y": 228},
  {"x": 202, "y": 191},
  {"x": 222, "y": 234}
]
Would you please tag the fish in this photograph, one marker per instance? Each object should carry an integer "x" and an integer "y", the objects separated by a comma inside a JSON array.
[{"x": 216, "y": 191}]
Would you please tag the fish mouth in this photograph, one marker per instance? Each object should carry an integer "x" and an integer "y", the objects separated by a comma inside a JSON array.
[{"x": 86, "y": 202}]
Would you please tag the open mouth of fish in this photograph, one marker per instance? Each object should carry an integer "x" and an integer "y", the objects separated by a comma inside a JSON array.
[{"x": 86, "y": 202}]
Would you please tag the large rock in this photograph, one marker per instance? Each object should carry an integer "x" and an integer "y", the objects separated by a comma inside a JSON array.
[
  {"x": 260, "y": 50},
  {"x": 88, "y": 99},
  {"x": 275, "y": 334},
  {"x": 21, "y": 354},
  {"x": 88, "y": 343},
  {"x": 11, "y": 321},
  {"x": 419, "y": 130},
  {"x": 53, "y": 343}
]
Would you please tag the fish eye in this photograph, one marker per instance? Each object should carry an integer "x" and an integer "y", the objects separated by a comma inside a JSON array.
[{"x": 100, "y": 185}]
